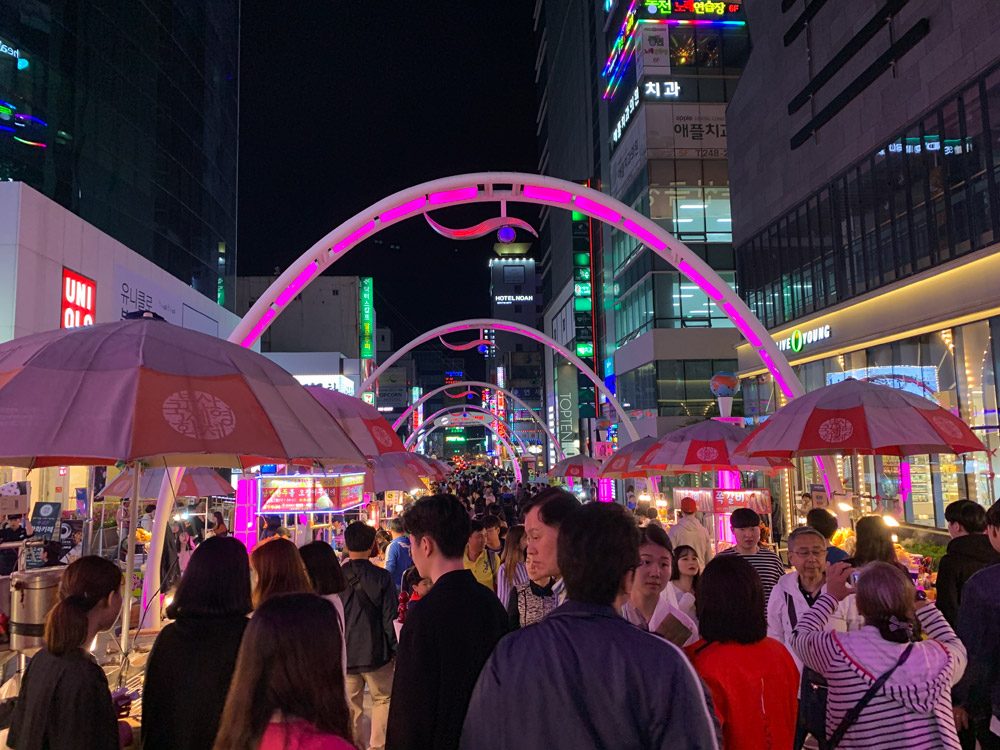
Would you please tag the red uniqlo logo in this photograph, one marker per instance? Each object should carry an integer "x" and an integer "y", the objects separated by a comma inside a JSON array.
[{"x": 79, "y": 300}]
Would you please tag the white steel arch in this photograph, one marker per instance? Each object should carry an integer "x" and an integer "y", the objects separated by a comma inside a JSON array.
[
  {"x": 481, "y": 384},
  {"x": 500, "y": 439},
  {"x": 447, "y": 410},
  {"x": 510, "y": 327}
]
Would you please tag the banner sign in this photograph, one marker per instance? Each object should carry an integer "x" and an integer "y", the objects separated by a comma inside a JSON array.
[
  {"x": 725, "y": 501},
  {"x": 309, "y": 494}
]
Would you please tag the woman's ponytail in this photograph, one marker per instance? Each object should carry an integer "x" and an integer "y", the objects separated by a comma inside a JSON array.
[{"x": 85, "y": 583}]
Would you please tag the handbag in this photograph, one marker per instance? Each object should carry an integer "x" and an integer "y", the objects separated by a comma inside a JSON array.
[
  {"x": 854, "y": 713},
  {"x": 813, "y": 693}
]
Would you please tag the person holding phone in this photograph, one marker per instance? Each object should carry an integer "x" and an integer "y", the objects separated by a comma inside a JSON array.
[{"x": 888, "y": 687}]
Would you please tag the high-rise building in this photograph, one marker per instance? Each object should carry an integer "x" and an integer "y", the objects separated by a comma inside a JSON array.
[
  {"x": 864, "y": 174},
  {"x": 126, "y": 114}
]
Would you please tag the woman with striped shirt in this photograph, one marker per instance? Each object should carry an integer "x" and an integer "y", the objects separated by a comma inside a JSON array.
[
  {"x": 512, "y": 572},
  {"x": 911, "y": 708}
]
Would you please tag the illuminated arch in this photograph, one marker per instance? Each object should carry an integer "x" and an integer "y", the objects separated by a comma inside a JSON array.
[
  {"x": 447, "y": 410},
  {"x": 482, "y": 384},
  {"x": 508, "y": 326},
  {"x": 501, "y": 440}
]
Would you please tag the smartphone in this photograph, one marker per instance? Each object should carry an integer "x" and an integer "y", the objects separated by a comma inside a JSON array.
[{"x": 854, "y": 578}]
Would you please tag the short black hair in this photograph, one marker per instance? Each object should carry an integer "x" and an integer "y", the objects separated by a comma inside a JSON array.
[
  {"x": 490, "y": 522},
  {"x": 744, "y": 518},
  {"x": 396, "y": 525},
  {"x": 730, "y": 602},
  {"x": 993, "y": 515},
  {"x": 554, "y": 506},
  {"x": 475, "y": 525},
  {"x": 444, "y": 519},
  {"x": 216, "y": 581},
  {"x": 598, "y": 544},
  {"x": 806, "y": 494},
  {"x": 653, "y": 534},
  {"x": 967, "y": 514},
  {"x": 823, "y": 521},
  {"x": 359, "y": 537},
  {"x": 323, "y": 568},
  {"x": 651, "y": 513}
]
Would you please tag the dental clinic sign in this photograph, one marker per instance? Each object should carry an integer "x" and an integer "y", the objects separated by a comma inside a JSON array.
[
  {"x": 79, "y": 300},
  {"x": 800, "y": 339}
]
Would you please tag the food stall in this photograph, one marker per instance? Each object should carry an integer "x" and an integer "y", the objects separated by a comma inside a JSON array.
[{"x": 718, "y": 505}]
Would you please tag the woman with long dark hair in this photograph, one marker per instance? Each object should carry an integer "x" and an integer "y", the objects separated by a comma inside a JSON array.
[
  {"x": 196, "y": 654},
  {"x": 684, "y": 577},
  {"x": 753, "y": 679},
  {"x": 219, "y": 527},
  {"x": 512, "y": 571},
  {"x": 873, "y": 542},
  {"x": 65, "y": 703},
  {"x": 328, "y": 580},
  {"x": 288, "y": 690},
  {"x": 277, "y": 569}
]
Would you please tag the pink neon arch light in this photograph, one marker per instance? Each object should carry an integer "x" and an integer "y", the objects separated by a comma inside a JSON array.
[
  {"x": 460, "y": 407},
  {"x": 500, "y": 439}
]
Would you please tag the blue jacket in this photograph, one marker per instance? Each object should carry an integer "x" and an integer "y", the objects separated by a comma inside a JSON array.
[
  {"x": 398, "y": 559},
  {"x": 979, "y": 629},
  {"x": 586, "y": 678}
]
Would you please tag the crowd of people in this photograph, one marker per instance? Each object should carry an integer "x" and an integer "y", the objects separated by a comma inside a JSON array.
[{"x": 508, "y": 617}]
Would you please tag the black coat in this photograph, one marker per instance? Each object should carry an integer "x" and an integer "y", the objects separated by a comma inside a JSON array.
[
  {"x": 187, "y": 678},
  {"x": 966, "y": 556},
  {"x": 64, "y": 704},
  {"x": 371, "y": 635},
  {"x": 443, "y": 647}
]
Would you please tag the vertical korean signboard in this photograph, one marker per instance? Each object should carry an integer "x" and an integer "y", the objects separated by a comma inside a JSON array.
[
  {"x": 583, "y": 309},
  {"x": 366, "y": 330},
  {"x": 78, "y": 300}
]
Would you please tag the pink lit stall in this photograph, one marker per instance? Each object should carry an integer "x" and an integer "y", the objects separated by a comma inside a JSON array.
[
  {"x": 307, "y": 504},
  {"x": 718, "y": 505}
]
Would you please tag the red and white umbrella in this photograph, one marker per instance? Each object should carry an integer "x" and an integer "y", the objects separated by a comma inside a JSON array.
[
  {"x": 577, "y": 467},
  {"x": 706, "y": 446},
  {"x": 362, "y": 422},
  {"x": 436, "y": 471},
  {"x": 854, "y": 416},
  {"x": 384, "y": 473},
  {"x": 624, "y": 463},
  {"x": 197, "y": 482}
]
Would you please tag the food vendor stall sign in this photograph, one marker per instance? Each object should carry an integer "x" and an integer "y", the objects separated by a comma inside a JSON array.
[
  {"x": 725, "y": 501},
  {"x": 310, "y": 494}
]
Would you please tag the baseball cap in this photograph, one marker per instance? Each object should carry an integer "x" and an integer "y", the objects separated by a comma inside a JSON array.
[
  {"x": 688, "y": 505},
  {"x": 744, "y": 518}
]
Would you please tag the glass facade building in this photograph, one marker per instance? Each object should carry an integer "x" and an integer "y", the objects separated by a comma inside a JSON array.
[
  {"x": 126, "y": 114},
  {"x": 924, "y": 197}
]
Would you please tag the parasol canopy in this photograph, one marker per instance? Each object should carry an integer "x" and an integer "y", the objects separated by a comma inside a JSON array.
[
  {"x": 363, "y": 423},
  {"x": 197, "y": 482},
  {"x": 624, "y": 463},
  {"x": 577, "y": 467},
  {"x": 705, "y": 446}
]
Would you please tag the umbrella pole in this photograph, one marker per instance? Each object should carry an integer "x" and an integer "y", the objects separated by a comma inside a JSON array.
[
  {"x": 165, "y": 503},
  {"x": 133, "y": 521}
]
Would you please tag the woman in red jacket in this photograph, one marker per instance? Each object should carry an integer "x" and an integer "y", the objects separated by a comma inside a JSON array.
[{"x": 753, "y": 679}]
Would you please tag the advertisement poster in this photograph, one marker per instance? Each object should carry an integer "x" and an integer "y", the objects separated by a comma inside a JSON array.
[
  {"x": 725, "y": 501},
  {"x": 45, "y": 518},
  {"x": 688, "y": 131},
  {"x": 307, "y": 494}
]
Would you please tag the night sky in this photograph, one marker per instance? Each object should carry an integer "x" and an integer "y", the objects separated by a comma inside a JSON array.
[{"x": 346, "y": 101}]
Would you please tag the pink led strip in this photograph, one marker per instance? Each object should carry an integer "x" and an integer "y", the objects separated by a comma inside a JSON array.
[
  {"x": 706, "y": 286},
  {"x": 599, "y": 210},
  {"x": 775, "y": 373},
  {"x": 729, "y": 309},
  {"x": 453, "y": 196},
  {"x": 353, "y": 239},
  {"x": 398, "y": 212},
  {"x": 262, "y": 324},
  {"x": 644, "y": 235},
  {"x": 296, "y": 286},
  {"x": 552, "y": 195}
]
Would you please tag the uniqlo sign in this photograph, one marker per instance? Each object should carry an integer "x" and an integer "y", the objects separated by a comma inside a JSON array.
[{"x": 79, "y": 300}]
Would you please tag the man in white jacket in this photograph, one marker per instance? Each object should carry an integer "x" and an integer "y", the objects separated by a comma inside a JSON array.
[{"x": 689, "y": 530}]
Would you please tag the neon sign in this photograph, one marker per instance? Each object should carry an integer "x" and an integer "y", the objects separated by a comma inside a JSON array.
[
  {"x": 366, "y": 319},
  {"x": 626, "y": 118},
  {"x": 799, "y": 338},
  {"x": 79, "y": 300},
  {"x": 510, "y": 299},
  {"x": 657, "y": 90}
]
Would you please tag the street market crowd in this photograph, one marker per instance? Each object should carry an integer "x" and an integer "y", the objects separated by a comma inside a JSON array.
[{"x": 500, "y": 615}]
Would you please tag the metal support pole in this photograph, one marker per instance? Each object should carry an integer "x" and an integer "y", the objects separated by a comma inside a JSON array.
[{"x": 133, "y": 522}]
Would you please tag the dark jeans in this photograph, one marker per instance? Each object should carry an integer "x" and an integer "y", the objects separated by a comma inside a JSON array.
[{"x": 979, "y": 729}]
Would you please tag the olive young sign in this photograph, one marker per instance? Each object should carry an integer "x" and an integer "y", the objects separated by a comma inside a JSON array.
[{"x": 799, "y": 338}]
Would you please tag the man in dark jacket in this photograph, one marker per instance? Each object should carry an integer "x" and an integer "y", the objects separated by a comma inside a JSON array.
[
  {"x": 447, "y": 637},
  {"x": 584, "y": 677},
  {"x": 969, "y": 551},
  {"x": 977, "y": 696},
  {"x": 369, "y": 610}
]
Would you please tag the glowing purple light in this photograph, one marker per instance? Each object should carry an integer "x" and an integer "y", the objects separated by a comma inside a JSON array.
[
  {"x": 32, "y": 118},
  {"x": 553, "y": 195},
  {"x": 706, "y": 286},
  {"x": 352, "y": 239},
  {"x": 262, "y": 324},
  {"x": 405, "y": 209},
  {"x": 602, "y": 212},
  {"x": 453, "y": 196},
  {"x": 296, "y": 286},
  {"x": 644, "y": 235},
  {"x": 776, "y": 374},
  {"x": 506, "y": 234},
  {"x": 744, "y": 327}
]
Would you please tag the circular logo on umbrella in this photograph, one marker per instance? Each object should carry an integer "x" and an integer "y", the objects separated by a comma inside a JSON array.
[
  {"x": 707, "y": 453},
  {"x": 199, "y": 415},
  {"x": 946, "y": 427},
  {"x": 381, "y": 436},
  {"x": 835, "y": 430}
]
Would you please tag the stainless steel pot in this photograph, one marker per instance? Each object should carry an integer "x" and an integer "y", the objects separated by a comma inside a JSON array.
[{"x": 32, "y": 594}]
